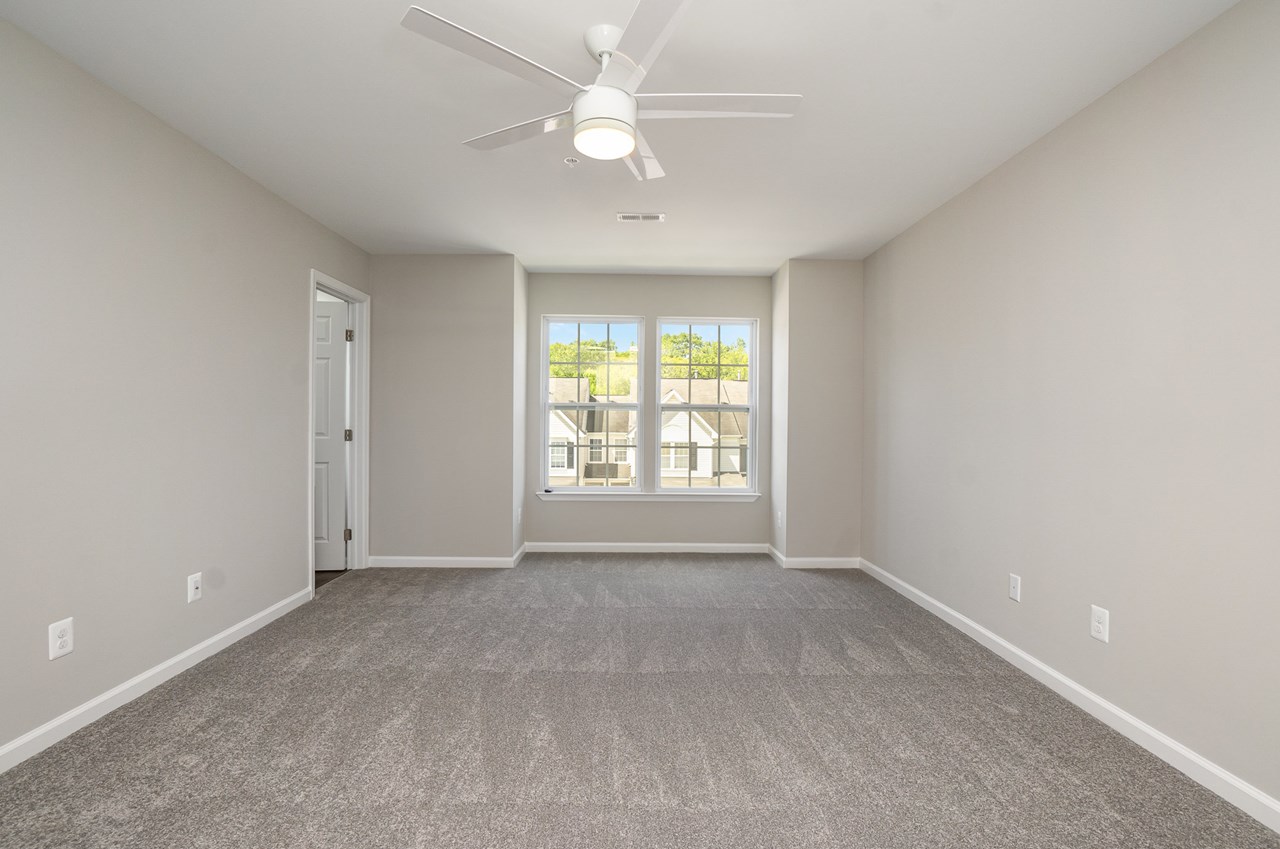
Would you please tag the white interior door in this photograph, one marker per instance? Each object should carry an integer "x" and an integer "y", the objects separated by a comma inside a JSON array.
[{"x": 330, "y": 434}]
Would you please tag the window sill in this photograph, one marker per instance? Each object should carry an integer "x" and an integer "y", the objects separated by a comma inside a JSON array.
[{"x": 649, "y": 496}]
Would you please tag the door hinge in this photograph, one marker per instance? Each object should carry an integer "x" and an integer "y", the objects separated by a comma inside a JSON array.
[
  {"x": 346, "y": 535},
  {"x": 347, "y": 435},
  {"x": 351, "y": 336}
]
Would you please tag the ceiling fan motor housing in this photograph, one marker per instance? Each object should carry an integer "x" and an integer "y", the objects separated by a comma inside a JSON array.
[
  {"x": 602, "y": 102},
  {"x": 605, "y": 110}
]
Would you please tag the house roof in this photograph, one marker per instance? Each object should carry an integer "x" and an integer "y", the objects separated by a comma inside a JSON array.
[{"x": 570, "y": 390}]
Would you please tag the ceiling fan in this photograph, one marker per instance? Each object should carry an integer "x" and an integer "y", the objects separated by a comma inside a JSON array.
[{"x": 604, "y": 114}]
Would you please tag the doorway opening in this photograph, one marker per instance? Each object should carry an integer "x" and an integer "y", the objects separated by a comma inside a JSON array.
[{"x": 338, "y": 447}]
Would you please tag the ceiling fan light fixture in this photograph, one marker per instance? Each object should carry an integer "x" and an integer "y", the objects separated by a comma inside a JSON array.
[
  {"x": 604, "y": 123},
  {"x": 604, "y": 138}
]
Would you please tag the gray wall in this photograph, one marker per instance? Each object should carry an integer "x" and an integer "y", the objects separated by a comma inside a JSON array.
[
  {"x": 818, "y": 398},
  {"x": 155, "y": 387},
  {"x": 443, "y": 441},
  {"x": 1073, "y": 373},
  {"x": 650, "y": 296},
  {"x": 519, "y": 401},
  {"x": 781, "y": 400}
]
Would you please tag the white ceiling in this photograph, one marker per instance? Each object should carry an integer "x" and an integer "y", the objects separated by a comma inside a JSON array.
[{"x": 357, "y": 121}]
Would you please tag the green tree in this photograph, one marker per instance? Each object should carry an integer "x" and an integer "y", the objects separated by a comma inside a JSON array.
[
  {"x": 570, "y": 359},
  {"x": 690, "y": 355}
]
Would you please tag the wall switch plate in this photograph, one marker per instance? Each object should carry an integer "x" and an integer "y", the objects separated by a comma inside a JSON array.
[
  {"x": 779, "y": 518},
  {"x": 1015, "y": 587},
  {"x": 194, "y": 584},
  {"x": 1100, "y": 624},
  {"x": 519, "y": 515},
  {"x": 62, "y": 638}
]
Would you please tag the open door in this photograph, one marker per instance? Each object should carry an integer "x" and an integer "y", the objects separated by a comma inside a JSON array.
[{"x": 333, "y": 432}]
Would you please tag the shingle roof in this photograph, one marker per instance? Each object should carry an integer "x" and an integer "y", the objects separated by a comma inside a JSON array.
[{"x": 702, "y": 391}]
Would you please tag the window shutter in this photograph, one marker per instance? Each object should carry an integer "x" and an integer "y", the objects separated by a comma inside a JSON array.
[
  {"x": 568, "y": 449},
  {"x": 693, "y": 457}
]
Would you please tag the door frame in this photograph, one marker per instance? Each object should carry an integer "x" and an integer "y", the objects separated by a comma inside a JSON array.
[{"x": 358, "y": 456}]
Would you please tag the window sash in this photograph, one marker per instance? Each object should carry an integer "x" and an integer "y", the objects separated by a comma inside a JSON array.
[{"x": 674, "y": 474}]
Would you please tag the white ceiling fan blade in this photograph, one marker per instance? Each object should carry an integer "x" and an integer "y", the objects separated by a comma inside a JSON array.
[
  {"x": 717, "y": 105},
  {"x": 643, "y": 164},
  {"x": 520, "y": 132},
  {"x": 476, "y": 46},
  {"x": 651, "y": 24}
]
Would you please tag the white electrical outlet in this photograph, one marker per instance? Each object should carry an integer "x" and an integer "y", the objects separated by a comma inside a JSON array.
[
  {"x": 519, "y": 515},
  {"x": 62, "y": 638},
  {"x": 194, "y": 584},
  {"x": 1015, "y": 587},
  {"x": 779, "y": 518},
  {"x": 1100, "y": 624}
]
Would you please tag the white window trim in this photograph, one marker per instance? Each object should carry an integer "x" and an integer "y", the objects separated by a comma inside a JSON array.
[
  {"x": 595, "y": 494},
  {"x": 752, "y": 408},
  {"x": 596, "y": 448},
  {"x": 582, "y": 452},
  {"x": 649, "y": 485},
  {"x": 563, "y": 446},
  {"x": 663, "y": 447}
]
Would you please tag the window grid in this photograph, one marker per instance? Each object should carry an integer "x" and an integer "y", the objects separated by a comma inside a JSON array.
[
  {"x": 716, "y": 457},
  {"x": 703, "y": 404},
  {"x": 616, "y": 375}
]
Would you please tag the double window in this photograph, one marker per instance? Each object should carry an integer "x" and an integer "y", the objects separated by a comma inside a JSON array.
[{"x": 618, "y": 419}]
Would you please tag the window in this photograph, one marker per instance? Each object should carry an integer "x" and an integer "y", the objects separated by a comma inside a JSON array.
[
  {"x": 706, "y": 404},
  {"x": 559, "y": 454},
  {"x": 593, "y": 402},
  {"x": 691, "y": 431},
  {"x": 675, "y": 456}
]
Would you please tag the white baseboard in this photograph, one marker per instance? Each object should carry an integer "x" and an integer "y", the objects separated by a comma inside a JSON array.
[
  {"x": 443, "y": 562},
  {"x": 814, "y": 562},
  {"x": 650, "y": 547},
  {"x": 1237, "y": 791},
  {"x": 515, "y": 561},
  {"x": 16, "y": 751}
]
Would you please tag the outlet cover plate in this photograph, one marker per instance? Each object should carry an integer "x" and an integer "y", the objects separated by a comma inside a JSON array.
[
  {"x": 62, "y": 638},
  {"x": 1015, "y": 587},
  {"x": 195, "y": 586},
  {"x": 1100, "y": 624}
]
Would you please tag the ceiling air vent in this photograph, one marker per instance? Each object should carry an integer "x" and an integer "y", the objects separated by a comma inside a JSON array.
[{"x": 642, "y": 217}]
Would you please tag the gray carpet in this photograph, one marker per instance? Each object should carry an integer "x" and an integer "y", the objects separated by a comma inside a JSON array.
[{"x": 603, "y": 701}]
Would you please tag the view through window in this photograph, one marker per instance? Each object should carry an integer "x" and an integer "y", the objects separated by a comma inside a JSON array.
[
  {"x": 703, "y": 405},
  {"x": 592, "y": 402},
  {"x": 706, "y": 404}
]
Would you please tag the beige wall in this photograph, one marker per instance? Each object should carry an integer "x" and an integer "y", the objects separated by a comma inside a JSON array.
[
  {"x": 781, "y": 400},
  {"x": 650, "y": 296},
  {"x": 1073, "y": 373},
  {"x": 818, "y": 399},
  {"x": 155, "y": 387},
  {"x": 441, "y": 397},
  {"x": 519, "y": 401}
]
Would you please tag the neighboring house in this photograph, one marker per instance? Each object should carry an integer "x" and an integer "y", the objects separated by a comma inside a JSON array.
[{"x": 596, "y": 447}]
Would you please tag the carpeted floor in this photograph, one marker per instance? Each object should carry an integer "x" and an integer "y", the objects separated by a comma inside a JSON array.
[{"x": 604, "y": 701}]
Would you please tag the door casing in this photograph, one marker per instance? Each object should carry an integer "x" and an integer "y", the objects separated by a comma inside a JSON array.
[{"x": 358, "y": 476}]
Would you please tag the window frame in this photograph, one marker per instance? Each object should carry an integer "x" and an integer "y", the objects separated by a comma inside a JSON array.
[
  {"x": 583, "y": 450},
  {"x": 646, "y": 451},
  {"x": 751, "y": 408},
  {"x": 552, "y": 446}
]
